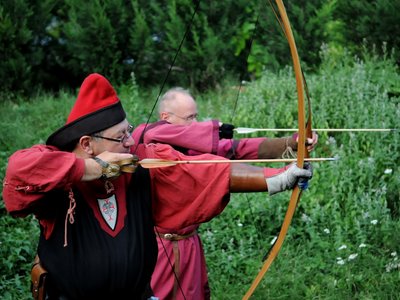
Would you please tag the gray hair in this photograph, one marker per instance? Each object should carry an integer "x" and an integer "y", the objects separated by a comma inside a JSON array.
[{"x": 170, "y": 96}]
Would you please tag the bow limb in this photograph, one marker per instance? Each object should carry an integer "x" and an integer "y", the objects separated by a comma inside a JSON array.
[{"x": 301, "y": 151}]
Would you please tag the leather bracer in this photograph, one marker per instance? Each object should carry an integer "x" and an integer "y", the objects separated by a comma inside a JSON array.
[
  {"x": 247, "y": 178},
  {"x": 275, "y": 147}
]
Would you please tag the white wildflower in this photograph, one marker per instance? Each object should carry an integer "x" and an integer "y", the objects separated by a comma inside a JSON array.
[
  {"x": 340, "y": 262},
  {"x": 342, "y": 247},
  {"x": 305, "y": 218},
  {"x": 353, "y": 256},
  {"x": 362, "y": 245},
  {"x": 331, "y": 140},
  {"x": 209, "y": 234},
  {"x": 240, "y": 224},
  {"x": 327, "y": 231},
  {"x": 388, "y": 171},
  {"x": 374, "y": 222},
  {"x": 392, "y": 266}
]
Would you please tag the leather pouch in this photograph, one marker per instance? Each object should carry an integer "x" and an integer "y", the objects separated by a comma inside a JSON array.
[{"x": 38, "y": 280}]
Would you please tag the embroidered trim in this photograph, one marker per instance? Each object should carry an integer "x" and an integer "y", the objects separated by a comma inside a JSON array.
[
  {"x": 70, "y": 215},
  {"x": 109, "y": 187}
]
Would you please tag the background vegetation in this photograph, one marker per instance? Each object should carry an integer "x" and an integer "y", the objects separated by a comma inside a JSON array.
[
  {"x": 53, "y": 44},
  {"x": 343, "y": 242}
]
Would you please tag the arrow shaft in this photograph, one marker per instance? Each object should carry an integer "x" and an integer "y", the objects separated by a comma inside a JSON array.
[
  {"x": 157, "y": 163},
  {"x": 251, "y": 130}
]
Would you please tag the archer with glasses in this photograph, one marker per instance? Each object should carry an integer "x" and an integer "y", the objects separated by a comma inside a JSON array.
[
  {"x": 121, "y": 137},
  {"x": 97, "y": 238},
  {"x": 181, "y": 270}
]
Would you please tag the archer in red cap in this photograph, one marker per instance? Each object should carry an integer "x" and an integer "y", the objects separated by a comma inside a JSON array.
[
  {"x": 96, "y": 108},
  {"x": 97, "y": 239}
]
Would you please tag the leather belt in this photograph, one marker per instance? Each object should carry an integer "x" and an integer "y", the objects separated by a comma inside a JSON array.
[{"x": 175, "y": 236}]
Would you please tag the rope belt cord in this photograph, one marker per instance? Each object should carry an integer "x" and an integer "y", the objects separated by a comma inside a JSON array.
[{"x": 175, "y": 236}]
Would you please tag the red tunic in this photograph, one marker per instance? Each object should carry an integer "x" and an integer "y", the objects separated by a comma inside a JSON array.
[
  {"x": 186, "y": 255},
  {"x": 111, "y": 248}
]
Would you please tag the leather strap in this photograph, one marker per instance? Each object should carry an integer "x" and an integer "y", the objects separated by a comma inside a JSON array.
[
  {"x": 175, "y": 236},
  {"x": 177, "y": 266},
  {"x": 38, "y": 280}
]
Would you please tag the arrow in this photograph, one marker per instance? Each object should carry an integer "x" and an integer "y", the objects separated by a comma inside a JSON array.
[
  {"x": 149, "y": 163},
  {"x": 244, "y": 130}
]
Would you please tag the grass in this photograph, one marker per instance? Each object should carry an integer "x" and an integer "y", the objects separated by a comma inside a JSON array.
[{"x": 343, "y": 242}]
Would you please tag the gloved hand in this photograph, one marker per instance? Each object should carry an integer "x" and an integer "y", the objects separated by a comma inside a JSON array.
[
  {"x": 288, "y": 179},
  {"x": 226, "y": 131},
  {"x": 303, "y": 182}
]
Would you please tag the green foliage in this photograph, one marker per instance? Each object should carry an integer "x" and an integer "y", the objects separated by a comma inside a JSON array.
[
  {"x": 343, "y": 239},
  {"x": 25, "y": 114},
  {"x": 141, "y": 43},
  {"x": 18, "y": 239},
  {"x": 95, "y": 37},
  {"x": 28, "y": 45},
  {"x": 14, "y": 38},
  {"x": 53, "y": 44},
  {"x": 375, "y": 22},
  {"x": 343, "y": 242},
  {"x": 203, "y": 56}
]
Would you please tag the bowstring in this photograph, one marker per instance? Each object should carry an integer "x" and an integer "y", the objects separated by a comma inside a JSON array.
[
  {"x": 188, "y": 27},
  {"x": 170, "y": 263},
  {"x": 241, "y": 79}
]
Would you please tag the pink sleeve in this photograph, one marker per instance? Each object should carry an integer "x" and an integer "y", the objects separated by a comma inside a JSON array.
[
  {"x": 187, "y": 194},
  {"x": 198, "y": 136},
  {"x": 35, "y": 171},
  {"x": 137, "y": 133}
]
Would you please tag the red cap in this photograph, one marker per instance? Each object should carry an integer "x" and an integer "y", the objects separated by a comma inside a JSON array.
[{"x": 96, "y": 108}]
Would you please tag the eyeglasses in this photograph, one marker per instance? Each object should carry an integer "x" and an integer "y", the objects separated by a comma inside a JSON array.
[
  {"x": 188, "y": 118},
  {"x": 122, "y": 140}
]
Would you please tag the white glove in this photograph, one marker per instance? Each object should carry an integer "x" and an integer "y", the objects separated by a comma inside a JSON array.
[{"x": 289, "y": 178}]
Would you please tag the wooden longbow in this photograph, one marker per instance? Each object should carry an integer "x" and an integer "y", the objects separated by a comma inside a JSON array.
[{"x": 301, "y": 151}]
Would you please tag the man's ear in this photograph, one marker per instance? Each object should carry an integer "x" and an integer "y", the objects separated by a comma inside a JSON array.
[
  {"x": 85, "y": 144},
  {"x": 164, "y": 116}
]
